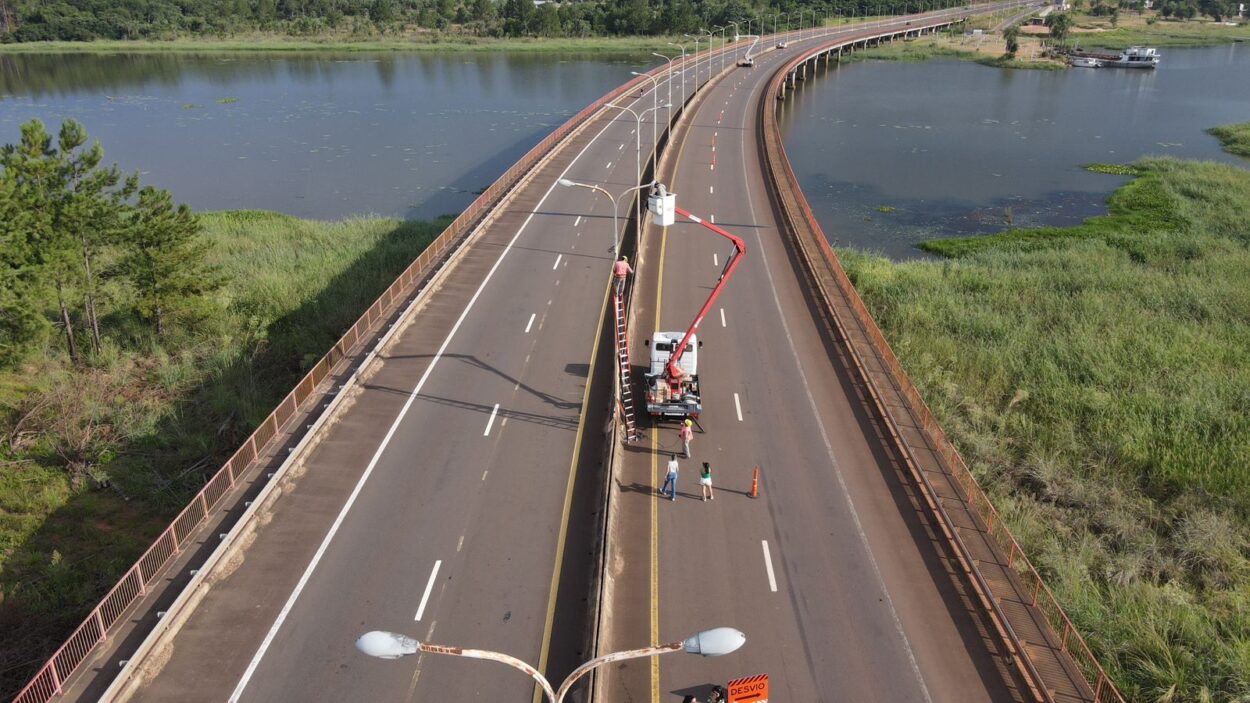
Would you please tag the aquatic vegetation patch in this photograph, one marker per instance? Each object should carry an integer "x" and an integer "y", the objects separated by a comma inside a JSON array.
[{"x": 1234, "y": 137}]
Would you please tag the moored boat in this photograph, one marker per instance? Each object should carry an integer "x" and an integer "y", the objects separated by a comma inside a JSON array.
[{"x": 1132, "y": 57}]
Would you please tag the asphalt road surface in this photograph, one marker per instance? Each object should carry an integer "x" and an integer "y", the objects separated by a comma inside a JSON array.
[
  {"x": 833, "y": 573},
  {"x": 453, "y": 501},
  {"x": 443, "y": 502}
]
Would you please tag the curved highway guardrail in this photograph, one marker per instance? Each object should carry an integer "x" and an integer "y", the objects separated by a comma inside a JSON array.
[{"x": 1040, "y": 639}]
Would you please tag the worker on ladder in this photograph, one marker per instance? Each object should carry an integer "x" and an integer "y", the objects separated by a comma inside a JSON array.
[{"x": 621, "y": 271}]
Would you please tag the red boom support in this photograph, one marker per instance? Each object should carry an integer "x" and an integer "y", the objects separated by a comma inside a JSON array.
[{"x": 740, "y": 248}]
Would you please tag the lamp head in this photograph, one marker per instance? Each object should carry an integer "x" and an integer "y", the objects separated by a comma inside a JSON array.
[
  {"x": 566, "y": 183},
  {"x": 387, "y": 645},
  {"x": 715, "y": 642}
]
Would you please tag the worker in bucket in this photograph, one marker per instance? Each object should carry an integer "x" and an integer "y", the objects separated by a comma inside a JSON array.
[{"x": 621, "y": 271}]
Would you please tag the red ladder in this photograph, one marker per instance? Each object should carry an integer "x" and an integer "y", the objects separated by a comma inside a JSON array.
[{"x": 622, "y": 364}]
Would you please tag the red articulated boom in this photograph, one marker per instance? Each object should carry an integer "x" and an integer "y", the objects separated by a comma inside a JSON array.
[{"x": 674, "y": 392}]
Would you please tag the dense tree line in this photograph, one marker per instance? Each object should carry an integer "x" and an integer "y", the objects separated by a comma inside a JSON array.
[
  {"x": 1217, "y": 10},
  {"x": 87, "y": 254},
  {"x": 80, "y": 20}
]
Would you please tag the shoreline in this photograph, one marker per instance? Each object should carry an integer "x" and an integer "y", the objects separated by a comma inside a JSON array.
[{"x": 279, "y": 44}]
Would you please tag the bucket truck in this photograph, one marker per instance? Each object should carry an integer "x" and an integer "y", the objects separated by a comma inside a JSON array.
[{"x": 673, "y": 376}]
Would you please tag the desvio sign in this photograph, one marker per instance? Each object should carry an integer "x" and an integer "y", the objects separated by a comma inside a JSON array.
[{"x": 752, "y": 689}]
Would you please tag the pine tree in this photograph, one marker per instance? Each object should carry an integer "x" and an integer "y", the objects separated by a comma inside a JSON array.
[
  {"x": 21, "y": 318},
  {"x": 39, "y": 186},
  {"x": 90, "y": 210},
  {"x": 164, "y": 258}
]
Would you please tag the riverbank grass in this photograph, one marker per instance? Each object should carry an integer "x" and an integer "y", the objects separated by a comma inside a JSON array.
[
  {"x": 155, "y": 420},
  {"x": 1150, "y": 29},
  {"x": 1234, "y": 137},
  {"x": 1095, "y": 379}
]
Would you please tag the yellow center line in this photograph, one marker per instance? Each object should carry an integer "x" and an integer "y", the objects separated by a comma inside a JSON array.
[
  {"x": 655, "y": 503},
  {"x": 655, "y": 438}
]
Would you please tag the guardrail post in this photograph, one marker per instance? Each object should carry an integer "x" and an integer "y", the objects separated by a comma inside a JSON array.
[
  {"x": 56, "y": 677},
  {"x": 99, "y": 622}
]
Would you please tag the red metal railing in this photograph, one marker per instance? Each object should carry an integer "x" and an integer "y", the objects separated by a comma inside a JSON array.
[
  {"x": 50, "y": 679},
  {"x": 1070, "y": 640}
]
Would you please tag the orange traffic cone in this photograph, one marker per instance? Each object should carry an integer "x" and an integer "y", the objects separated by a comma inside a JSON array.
[{"x": 755, "y": 484}]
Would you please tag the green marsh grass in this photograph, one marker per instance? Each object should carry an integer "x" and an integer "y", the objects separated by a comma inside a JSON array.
[
  {"x": 1097, "y": 380},
  {"x": 1234, "y": 137},
  {"x": 155, "y": 423}
]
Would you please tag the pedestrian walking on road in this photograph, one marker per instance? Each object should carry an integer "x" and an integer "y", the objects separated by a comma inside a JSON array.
[
  {"x": 670, "y": 480},
  {"x": 705, "y": 482},
  {"x": 686, "y": 433},
  {"x": 621, "y": 271}
]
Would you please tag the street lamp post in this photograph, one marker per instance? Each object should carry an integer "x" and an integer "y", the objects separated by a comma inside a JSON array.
[
  {"x": 683, "y": 68},
  {"x": 737, "y": 34},
  {"x": 722, "y": 47},
  {"x": 710, "y": 36},
  {"x": 670, "y": 85},
  {"x": 655, "y": 100},
  {"x": 709, "y": 643},
  {"x": 696, "y": 58},
  {"x": 637, "y": 144},
  {"x": 616, "y": 229}
]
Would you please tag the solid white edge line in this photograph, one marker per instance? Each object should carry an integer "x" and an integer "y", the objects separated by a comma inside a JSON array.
[
  {"x": 373, "y": 462},
  {"x": 768, "y": 562},
  {"x": 530, "y": 324},
  {"x": 738, "y": 407},
  {"x": 491, "y": 421},
  {"x": 557, "y": 263},
  {"x": 429, "y": 586}
]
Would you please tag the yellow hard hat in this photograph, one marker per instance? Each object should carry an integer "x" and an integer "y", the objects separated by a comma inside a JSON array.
[{"x": 689, "y": 422}]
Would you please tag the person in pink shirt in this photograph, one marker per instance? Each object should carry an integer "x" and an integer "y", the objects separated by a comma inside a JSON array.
[
  {"x": 686, "y": 433},
  {"x": 621, "y": 270}
]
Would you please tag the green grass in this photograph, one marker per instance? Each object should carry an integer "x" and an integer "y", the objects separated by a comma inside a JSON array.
[
  {"x": 275, "y": 43},
  {"x": 150, "y": 425},
  {"x": 1096, "y": 379},
  {"x": 1234, "y": 137},
  {"x": 937, "y": 47},
  {"x": 1097, "y": 32}
]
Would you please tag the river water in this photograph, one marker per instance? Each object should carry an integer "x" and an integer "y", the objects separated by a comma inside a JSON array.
[
  {"x": 314, "y": 135},
  {"x": 890, "y": 154}
]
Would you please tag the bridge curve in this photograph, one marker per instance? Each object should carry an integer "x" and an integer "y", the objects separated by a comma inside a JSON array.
[{"x": 534, "y": 543}]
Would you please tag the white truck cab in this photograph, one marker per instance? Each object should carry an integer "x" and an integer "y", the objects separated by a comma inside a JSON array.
[{"x": 663, "y": 344}]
